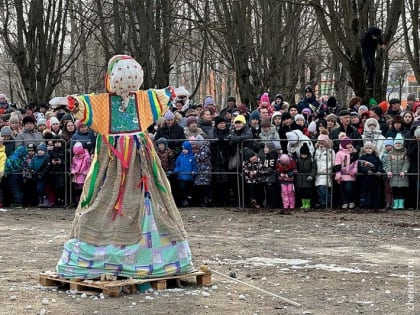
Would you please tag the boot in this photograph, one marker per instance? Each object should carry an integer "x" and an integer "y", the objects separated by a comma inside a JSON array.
[
  {"x": 308, "y": 203},
  {"x": 401, "y": 204},
  {"x": 396, "y": 204}
]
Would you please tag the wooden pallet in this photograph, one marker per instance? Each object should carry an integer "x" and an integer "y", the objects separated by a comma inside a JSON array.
[{"x": 114, "y": 288}]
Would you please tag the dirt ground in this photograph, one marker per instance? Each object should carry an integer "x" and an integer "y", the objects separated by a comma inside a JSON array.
[{"x": 328, "y": 262}]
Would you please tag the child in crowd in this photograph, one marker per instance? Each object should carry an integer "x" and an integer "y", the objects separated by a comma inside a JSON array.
[
  {"x": 396, "y": 167},
  {"x": 29, "y": 181},
  {"x": 3, "y": 158},
  {"x": 286, "y": 169},
  {"x": 306, "y": 171},
  {"x": 268, "y": 156},
  {"x": 13, "y": 170},
  {"x": 166, "y": 155},
  {"x": 40, "y": 165},
  {"x": 185, "y": 167},
  {"x": 202, "y": 181},
  {"x": 346, "y": 171},
  {"x": 58, "y": 171},
  {"x": 251, "y": 168},
  {"x": 80, "y": 165},
  {"x": 370, "y": 172},
  {"x": 325, "y": 158},
  {"x": 388, "y": 146}
]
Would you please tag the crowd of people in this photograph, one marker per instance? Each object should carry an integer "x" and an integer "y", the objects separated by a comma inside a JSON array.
[{"x": 315, "y": 154}]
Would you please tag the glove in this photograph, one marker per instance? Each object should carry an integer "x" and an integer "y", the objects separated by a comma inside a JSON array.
[
  {"x": 369, "y": 172},
  {"x": 309, "y": 179}
]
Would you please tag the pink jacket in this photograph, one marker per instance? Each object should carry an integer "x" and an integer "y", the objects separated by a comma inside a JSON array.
[
  {"x": 80, "y": 166},
  {"x": 348, "y": 170}
]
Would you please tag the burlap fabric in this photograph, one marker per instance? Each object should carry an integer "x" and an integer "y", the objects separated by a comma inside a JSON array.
[{"x": 94, "y": 224}]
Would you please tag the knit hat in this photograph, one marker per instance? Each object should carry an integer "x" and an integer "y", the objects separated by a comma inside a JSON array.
[
  {"x": 54, "y": 120},
  {"x": 308, "y": 89},
  {"x": 191, "y": 120},
  {"x": 321, "y": 122},
  {"x": 265, "y": 98},
  {"x": 332, "y": 102},
  {"x": 415, "y": 106},
  {"x": 276, "y": 114},
  {"x": 169, "y": 115},
  {"x": 417, "y": 132},
  {"x": 78, "y": 148},
  {"x": 363, "y": 108},
  {"x": 42, "y": 147},
  {"x": 383, "y": 105},
  {"x": 398, "y": 139},
  {"x": 280, "y": 96},
  {"x": 28, "y": 119},
  {"x": 372, "y": 102},
  {"x": 79, "y": 124},
  {"x": 248, "y": 153},
  {"x": 304, "y": 149},
  {"x": 67, "y": 117},
  {"x": 323, "y": 137},
  {"x": 6, "y": 131},
  {"x": 369, "y": 145},
  {"x": 243, "y": 109},
  {"x": 355, "y": 114},
  {"x": 284, "y": 158},
  {"x": 231, "y": 99},
  {"x": 208, "y": 100},
  {"x": 306, "y": 111},
  {"x": 181, "y": 91},
  {"x": 31, "y": 146},
  {"x": 266, "y": 123},
  {"x": 270, "y": 145},
  {"x": 218, "y": 120},
  {"x": 299, "y": 116},
  {"x": 13, "y": 118},
  {"x": 240, "y": 118},
  {"x": 41, "y": 121},
  {"x": 162, "y": 140},
  {"x": 344, "y": 142},
  {"x": 389, "y": 141},
  {"x": 254, "y": 115},
  {"x": 292, "y": 137}
]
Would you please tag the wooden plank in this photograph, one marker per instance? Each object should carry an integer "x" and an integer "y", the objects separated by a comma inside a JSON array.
[{"x": 113, "y": 288}]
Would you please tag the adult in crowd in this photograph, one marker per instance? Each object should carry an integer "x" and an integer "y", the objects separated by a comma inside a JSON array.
[
  {"x": 85, "y": 136},
  {"x": 411, "y": 99},
  {"x": 309, "y": 100},
  {"x": 29, "y": 133},
  {"x": 394, "y": 107},
  {"x": 205, "y": 122},
  {"x": 219, "y": 151},
  {"x": 172, "y": 132},
  {"x": 413, "y": 153},
  {"x": 346, "y": 128},
  {"x": 230, "y": 104},
  {"x": 378, "y": 113},
  {"x": 288, "y": 124}
]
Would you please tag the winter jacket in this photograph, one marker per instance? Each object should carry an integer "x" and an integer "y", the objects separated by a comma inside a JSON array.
[
  {"x": 374, "y": 136},
  {"x": 268, "y": 169},
  {"x": 270, "y": 136},
  {"x": 325, "y": 160},
  {"x": 306, "y": 171},
  {"x": 185, "y": 164},
  {"x": 41, "y": 164},
  {"x": 248, "y": 168},
  {"x": 397, "y": 161},
  {"x": 3, "y": 158},
  {"x": 29, "y": 136},
  {"x": 346, "y": 160},
  {"x": 175, "y": 132},
  {"x": 350, "y": 132},
  {"x": 15, "y": 161},
  {"x": 219, "y": 150},
  {"x": 203, "y": 159},
  {"x": 87, "y": 139},
  {"x": 80, "y": 165}
]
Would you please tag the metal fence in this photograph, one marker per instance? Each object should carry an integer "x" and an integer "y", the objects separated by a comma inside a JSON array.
[{"x": 237, "y": 173}]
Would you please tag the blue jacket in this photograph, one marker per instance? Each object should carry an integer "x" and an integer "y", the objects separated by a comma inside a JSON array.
[{"x": 185, "y": 164}]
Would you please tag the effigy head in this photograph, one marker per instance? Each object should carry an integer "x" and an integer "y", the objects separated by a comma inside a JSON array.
[{"x": 124, "y": 75}]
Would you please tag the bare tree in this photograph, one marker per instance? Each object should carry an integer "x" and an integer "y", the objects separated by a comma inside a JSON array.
[
  {"x": 35, "y": 36},
  {"x": 411, "y": 26},
  {"x": 343, "y": 24}
]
